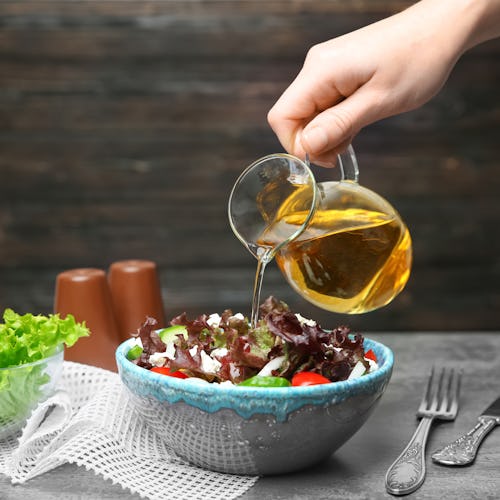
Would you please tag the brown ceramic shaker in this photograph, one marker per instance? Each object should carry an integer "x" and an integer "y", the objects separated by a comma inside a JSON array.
[
  {"x": 84, "y": 293},
  {"x": 136, "y": 294}
]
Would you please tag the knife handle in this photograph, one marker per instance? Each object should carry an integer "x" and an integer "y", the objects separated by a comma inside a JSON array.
[{"x": 463, "y": 451}]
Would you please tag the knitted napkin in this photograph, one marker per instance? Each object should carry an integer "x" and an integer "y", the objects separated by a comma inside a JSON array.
[{"x": 90, "y": 422}]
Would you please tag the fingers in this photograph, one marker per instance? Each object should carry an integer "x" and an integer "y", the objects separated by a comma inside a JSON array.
[
  {"x": 329, "y": 159},
  {"x": 328, "y": 129},
  {"x": 329, "y": 132},
  {"x": 307, "y": 96},
  {"x": 313, "y": 117}
]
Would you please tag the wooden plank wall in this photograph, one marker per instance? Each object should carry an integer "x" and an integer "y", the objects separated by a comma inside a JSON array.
[{"x": 123, "y": 125}]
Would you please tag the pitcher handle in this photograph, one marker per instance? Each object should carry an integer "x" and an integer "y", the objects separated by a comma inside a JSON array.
[{"x": 348, "y": 164}]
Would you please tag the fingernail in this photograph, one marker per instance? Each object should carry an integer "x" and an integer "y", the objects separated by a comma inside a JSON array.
[{"x": 315, "y": 139}]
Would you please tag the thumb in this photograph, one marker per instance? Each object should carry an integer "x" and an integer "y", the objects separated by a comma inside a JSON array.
[{"x": 336, "y": 125}]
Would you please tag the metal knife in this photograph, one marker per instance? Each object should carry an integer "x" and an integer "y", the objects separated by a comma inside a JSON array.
[{"x": 463, "y": 451}]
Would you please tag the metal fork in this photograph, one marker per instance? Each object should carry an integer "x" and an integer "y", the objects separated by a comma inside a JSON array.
[{"x": 440, "y": 401}]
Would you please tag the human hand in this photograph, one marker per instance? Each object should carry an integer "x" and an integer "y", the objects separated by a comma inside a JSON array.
[{"x": 389, "y": 67}]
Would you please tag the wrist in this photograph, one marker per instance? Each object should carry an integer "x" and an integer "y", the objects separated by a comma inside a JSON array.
[
  {"x": 480, "y": 21},
  {"x": 465, "y": 23}
]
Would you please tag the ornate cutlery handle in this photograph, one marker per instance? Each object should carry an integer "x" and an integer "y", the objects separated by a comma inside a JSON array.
[
  {"x": 407, "y": 473},
  {"x": 463, "y": 451}
]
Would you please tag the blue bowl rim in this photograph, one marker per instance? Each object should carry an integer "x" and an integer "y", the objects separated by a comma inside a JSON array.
[{"x": 383, "y": 372}]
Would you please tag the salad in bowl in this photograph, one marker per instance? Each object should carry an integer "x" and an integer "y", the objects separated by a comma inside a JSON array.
[
  {"x": 266, "y": 400},
  {"x": 283, "y": 350}
]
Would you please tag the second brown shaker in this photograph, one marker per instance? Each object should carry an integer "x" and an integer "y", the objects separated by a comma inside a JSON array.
[{"x": 136, "y": 294}]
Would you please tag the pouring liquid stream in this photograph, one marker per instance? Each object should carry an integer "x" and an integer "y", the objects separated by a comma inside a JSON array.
[{"x": 264, "y": 256}]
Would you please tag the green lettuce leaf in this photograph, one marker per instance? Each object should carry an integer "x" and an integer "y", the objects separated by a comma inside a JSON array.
[{"x": 26, "y": 339}]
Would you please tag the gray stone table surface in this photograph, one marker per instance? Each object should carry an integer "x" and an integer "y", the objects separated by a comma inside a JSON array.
[{"x": 357, "y": 470}]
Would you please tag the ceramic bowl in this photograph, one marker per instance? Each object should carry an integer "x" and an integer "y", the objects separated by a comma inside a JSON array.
[
  {"x": 251, "y": 430},
  {"x": 23, "y": 387}
]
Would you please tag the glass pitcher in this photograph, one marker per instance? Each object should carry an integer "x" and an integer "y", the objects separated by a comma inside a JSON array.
[{"x": 339, "y": 245}]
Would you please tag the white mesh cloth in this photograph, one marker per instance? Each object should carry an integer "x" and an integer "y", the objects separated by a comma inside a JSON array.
[{"x": 89, "y": 422}]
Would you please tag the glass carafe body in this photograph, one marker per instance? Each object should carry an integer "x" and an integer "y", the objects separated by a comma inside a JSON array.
[{"x": 353, "y": 255}]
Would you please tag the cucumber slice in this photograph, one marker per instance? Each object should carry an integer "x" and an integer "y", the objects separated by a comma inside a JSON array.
[
  {"x": 134, "y": 352},
  {"x": 169, "y": 334}
]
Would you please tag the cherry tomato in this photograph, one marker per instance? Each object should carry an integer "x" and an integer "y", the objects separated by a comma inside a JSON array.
[
  {"x": 165, "y": 370},
  {"x": 371, "y": 355},
  {"x": 308, "y": 378}
]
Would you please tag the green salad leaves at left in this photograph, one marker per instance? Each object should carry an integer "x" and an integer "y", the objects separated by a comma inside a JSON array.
[{"x": 25, "y": 339}]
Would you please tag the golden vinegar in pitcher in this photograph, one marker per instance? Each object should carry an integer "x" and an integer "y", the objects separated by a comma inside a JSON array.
[{"x": 354, "y": 255}]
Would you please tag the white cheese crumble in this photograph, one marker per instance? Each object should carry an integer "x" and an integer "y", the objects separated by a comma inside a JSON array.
[
  {"x": 238, "y": 316},
  {"x": 234, "y": 371},
  {"x": 209, "y": 364},
  {"x": 305, "y": 321},
  {"x": 196, "y": 380},
  {"x": 158, "y": 358},
  {"x": 214, "y": 320},
  {"x": 373, "y": 365},
  {"x": 225, "y": 383},
  {"x": 220, "y": 352},
  {"x": 358, "y": 370},
  {"x": 170, "y": 350}
]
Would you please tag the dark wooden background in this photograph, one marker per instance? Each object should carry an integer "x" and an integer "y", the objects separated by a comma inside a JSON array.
[{"x": 123, "y": 125}]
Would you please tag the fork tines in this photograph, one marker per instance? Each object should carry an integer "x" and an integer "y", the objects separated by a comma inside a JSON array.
[{"x": 440, "y": 398}]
